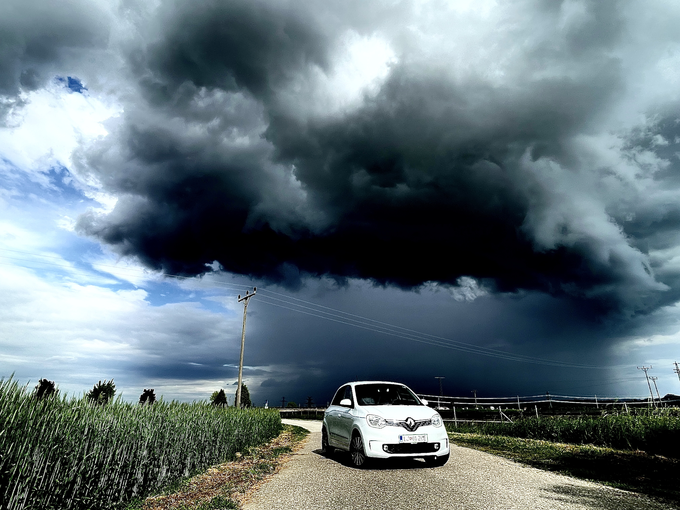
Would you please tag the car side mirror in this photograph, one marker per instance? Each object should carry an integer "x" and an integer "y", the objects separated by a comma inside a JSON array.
[
  {"x": 425, "y": 402},
  {"x": 345, "y": 402}
]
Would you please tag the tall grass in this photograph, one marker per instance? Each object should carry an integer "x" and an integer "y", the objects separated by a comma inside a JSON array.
[
  {"x": 655, "y": 432},
  {"x": 61, "y": 453}
]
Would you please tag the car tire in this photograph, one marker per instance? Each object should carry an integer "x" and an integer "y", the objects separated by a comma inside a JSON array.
[
  {"x": 438, "y": 460},
  {"x": 325, "y": 446},
  {"x": 357, "y": 452}
]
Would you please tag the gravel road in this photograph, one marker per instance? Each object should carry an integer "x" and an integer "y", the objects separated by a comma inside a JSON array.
[{"x": 471, "y": 480}]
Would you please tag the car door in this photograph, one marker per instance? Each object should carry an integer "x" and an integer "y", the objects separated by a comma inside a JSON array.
[
  {"x": 345, "y": 419},
  {"x": 332, "y": 414}
]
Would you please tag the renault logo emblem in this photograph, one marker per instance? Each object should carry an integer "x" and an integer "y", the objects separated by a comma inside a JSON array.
[{"x": 410, "y": 422}]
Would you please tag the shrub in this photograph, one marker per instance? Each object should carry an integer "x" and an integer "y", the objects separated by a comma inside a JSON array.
[
  {"x": 147, "y": 396},
  {"x": 219, "y": 399},
  {"x": 245, "y": 397},
  {"x": 45, "y": 389},
  {"x": 102, "y": 392}
]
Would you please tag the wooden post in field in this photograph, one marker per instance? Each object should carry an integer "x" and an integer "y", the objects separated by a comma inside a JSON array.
[
  {"x": 245, "y": 300},
  {"x": 644, "y": 369},
  {"x": 536, "y": 408},
  {"x": 654, "y": 379},
  {"x": 455, "y": 419}
]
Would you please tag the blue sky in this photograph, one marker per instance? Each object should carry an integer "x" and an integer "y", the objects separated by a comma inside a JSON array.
[{"x": 486, "y": 193}]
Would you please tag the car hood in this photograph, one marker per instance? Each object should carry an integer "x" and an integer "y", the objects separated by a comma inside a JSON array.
[{"x": 401, "y": 412}]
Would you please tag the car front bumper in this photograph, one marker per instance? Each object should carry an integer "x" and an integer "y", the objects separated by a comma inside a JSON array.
[{"x": 385, "y": 444}]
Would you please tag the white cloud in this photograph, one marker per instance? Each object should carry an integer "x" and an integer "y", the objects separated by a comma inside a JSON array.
[
  {"x": 468, "y": 289},
  {"x": 359, "y": 67},
  {"x": 52, "y": 125},
  {"x": 77, "y": 334},
  {"x": 125, "y": 268}
]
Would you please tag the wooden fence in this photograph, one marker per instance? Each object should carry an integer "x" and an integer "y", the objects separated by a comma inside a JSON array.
[{"x": 314, "y": 413}]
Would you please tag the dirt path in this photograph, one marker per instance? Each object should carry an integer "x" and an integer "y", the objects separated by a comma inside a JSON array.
[{"x": 470, "y": 480}]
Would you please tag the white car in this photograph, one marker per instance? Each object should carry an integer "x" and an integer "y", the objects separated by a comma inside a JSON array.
[{"x": 380, "y": 419}]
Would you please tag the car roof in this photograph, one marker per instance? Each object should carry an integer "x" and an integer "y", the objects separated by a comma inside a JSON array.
[{"x": 354, "y": 383}]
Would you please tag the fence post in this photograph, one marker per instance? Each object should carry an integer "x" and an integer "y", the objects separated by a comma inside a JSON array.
[
  {"x": 455, "y": 420},
  {"x": 518, "y": 407},
  {"x": 536, "y": 408},
  {"x": 503, "y": 415},
  {"x": 596, "y": 404}
]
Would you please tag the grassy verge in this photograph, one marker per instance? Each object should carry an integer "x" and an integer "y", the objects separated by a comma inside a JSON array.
[
  {"x": 227, "y": 486},
  {"x": 653, "y": 431},
  {"x": 636, "y": 471}
]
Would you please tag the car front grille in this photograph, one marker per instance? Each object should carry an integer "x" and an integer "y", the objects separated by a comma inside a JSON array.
[
  {"x": 412, "y": 425},
  {"x": 412, "y": 448}
]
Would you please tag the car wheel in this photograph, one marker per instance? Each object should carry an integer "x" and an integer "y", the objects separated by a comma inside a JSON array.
[
  {"x": 439, "y": 460},
  {"x": 325, "y": 447},
  {"x": 356, "y": 451}
]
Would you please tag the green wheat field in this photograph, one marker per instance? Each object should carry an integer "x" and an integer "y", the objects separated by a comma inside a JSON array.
[{"x": 68, "y": 453}]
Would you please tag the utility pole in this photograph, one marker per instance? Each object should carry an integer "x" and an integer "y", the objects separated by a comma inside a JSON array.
[
  {"x": 439, "y": 400},
  {"x": 676, "y": 369},
  {"x": 245, "y": 300},
  {"x": 654, "y": 378},
  {"x": 475, "y": 392},
  {"x": 644, "y": 369},
  {"x": 283, "y": 402}
]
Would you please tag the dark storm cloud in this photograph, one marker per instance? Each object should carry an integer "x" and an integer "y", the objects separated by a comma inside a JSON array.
[
  {"x": 231, "y": 46},
  {"x": 433, "y": 177}
]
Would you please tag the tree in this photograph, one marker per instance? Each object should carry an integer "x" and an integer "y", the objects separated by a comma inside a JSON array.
[
  {"x": 147, "y": 396},
  {"x": 219, "y": 399},
  {"x": 291, "y": 404},
  {"x": 245, "y": 396},
  {"x": 102, "y": 392},
  {"x": 45, "y": 389}
]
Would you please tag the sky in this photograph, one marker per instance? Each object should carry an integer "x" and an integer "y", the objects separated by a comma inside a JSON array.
[{"x": 483, "y": 191}]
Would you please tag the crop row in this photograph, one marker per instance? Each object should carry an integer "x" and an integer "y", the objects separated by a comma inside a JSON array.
[
  {"x": 653, "y": 432},
  {"x": 70, "y": 453}
]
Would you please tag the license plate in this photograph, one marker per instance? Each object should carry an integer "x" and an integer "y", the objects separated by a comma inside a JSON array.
[{"x": 413, "y": 438}]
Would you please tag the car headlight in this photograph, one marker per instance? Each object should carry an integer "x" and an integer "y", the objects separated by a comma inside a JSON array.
[
  {"x": 375, "y": 421},
  {"x": 436, "y": 421}
]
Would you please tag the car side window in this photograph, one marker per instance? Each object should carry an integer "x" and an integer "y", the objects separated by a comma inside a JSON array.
[
  {"x": 348, "y": 394},
  {"x": 339, "y": 395}
]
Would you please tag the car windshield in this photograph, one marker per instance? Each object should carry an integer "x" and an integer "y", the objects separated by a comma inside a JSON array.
[{"x": 385, "y": 395}]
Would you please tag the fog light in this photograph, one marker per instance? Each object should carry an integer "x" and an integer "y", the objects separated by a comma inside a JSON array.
[
  {"x": 436, "y": 446},
  {"x": 386, "y": 448}
]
